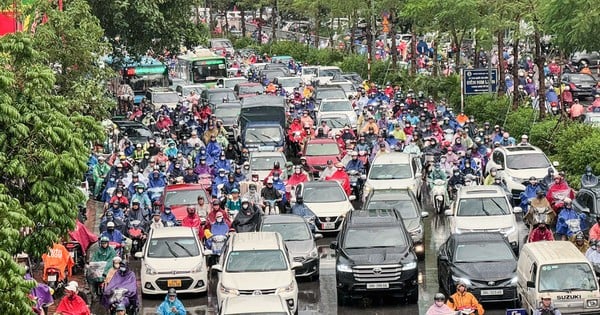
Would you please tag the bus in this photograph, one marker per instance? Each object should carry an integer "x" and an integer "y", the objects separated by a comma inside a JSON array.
[
  {"x": 203, "y": 67},
  {"x": 141, "y": 74}
]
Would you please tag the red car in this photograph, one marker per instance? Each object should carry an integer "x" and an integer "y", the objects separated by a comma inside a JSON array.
[
  {"x": 318, "y": 151},
  {"x": 179, "y": 196}
]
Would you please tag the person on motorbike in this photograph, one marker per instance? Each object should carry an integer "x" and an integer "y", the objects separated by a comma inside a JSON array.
[
  {"x": 104, "y": 253},
  {"x": 141, "y": 197},
  {"x": 558, "y": 192},
  {"x": 157, "y": 179},
  {"x": 462, "y": 298},
  {"x": 588, "y": 179},
  {"x": 548, "y": 180},
  {"x": 580, "y": 242},
  {"x": 439, "y": 306},
  {"x": 569, "y": 221},
  {"x": 342, "y": 177},
  {"x": 253, "y": 195},
  {"x": 58, "y": 257},
  {"x": 171, "y": 305},
  {"x": 489, "y": 180},
  {"x": 546, "y": 307},
  {"x": 530, "y": 192},
  {"x": 498, "y": 181},
  {"x": 231, "y": 184},
  {"x": 216, "y": 209},
  {"x": 238, "y": 174},
  {"x": 156, "y": 222},
  {"x": 116, "y": 264},
  {"x": 539, "y": 211},
  {"x": 247, "y": 219},
  {"x": 99, "y": 173},
  {"x": 123, "y": 279},
  {"x": 436, "y": 173},
  {"x": 595, "y": 230},
  {"x": 234, "y": 202},
  {"x": 220, "y": 179},
  {"x": 192, "y": 219},
  {"x": 72, "y": 303},
  {"x": 138, "y": 214},
  {"x": 297, "y": 177},
  {"x": 355, "y": 164},
  {"x": 540, "y": 233},
  {"x": 219, "y": 227}
]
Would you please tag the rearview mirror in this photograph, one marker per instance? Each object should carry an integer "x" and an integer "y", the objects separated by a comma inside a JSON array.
[
  {"x": 517, "y": 210},
  {"x": 296, "y": 265},
  {"x": 448, "y": 212},
  {"x": 138, "y": 255},
  {"x": 333, "y": 245},
  {"x": 318, "y": 236},
  {"x": 352, "y": 197},
  {"x": 586, "y": 210},
  {"x": 216, "y": 268},
  {"x": 424, "y": 214},
  {"x": 530, "y": 284}
]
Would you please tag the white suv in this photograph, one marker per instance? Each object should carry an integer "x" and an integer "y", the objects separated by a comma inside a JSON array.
[
  {"x": 257, "y": 263},
  {"x": 484, "y": 209},
  {"x": 173, "y": 258},
  {"x": 517, "y": 164}
]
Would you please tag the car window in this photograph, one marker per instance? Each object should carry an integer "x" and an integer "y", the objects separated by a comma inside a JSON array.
[
  {"x": 341, "y": 106},
  {"x": 265, "y": 162},
  {"x": 250, "y": 89},
  {"x": 566, "y": 277},
  {"x": 256, "y": 261},
  {"x": 472, "y": 207},
  {"x": 483, "y": 252},
  {"x": 137, "y": 132},
  {"x": 183, "y": 197},
  {"x": 336, "y": 122},
  {"x": 321, "y": 149},
  {"x": 173, "y": 247},
  {"x": 227, "y": 111},
  {"x": 330, "y": 93},
  {"x": 297, "y": 231},
  {"x": 406, "y": 208},
  {"x": 165, "y": 97},
  {"x": 324, "y": 194},
  {"x": 390, "y": 171},
  {"x": 585, "y": 200},
  {"x": 527, "y": 161}
]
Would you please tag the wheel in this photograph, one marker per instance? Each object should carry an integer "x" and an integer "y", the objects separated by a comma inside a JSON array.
[
  {"x": 414, "y": 298},
  {"x": 341, "y": 297}
]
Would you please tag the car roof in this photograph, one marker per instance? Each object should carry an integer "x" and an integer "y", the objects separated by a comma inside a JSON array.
[
  {"x": 217, "y": 90},
  {"x": 393, "y": 158},
  {"x": 374, "y": 216},
  {"x": 337, "y": 99},
  {"x": 283, "y": 218},
  {"x": 256, "y": 241},
  {"x": 481, "y": 191},
  {"x": 391, "y": 194},
  {"x": 520, "y": 149},
  {"x": 554, "y": 252},
  {"x": 327, "y": 183},
  {"x": 321, "y": 140},
  {"x": 177, "y": 187},
  {"x": 473, "y": 237},
  {"x": 249, "y": 84},
  {"x": 174, "y": 231}
]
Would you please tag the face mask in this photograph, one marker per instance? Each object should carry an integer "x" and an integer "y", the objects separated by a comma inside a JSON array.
[
  {"x": 543, "y": 228},
  {"x": 219, "y": 220},
  {"x": 119, "y": 195},
  {"x": 245, "y": 206},
  {"x": 167, "y": 211},
  {"x": 298, "y": 171},
  {"x": 203, "y": 162},
  {"x": 222, "y": 158},
  {"x": 275, "y": 178},
  {"x": 110, "y": 229},
  {"x": 141, "y": 191}
]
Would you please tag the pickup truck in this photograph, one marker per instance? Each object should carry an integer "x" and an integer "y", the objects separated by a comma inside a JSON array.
[{"x": 261, "y": 123}]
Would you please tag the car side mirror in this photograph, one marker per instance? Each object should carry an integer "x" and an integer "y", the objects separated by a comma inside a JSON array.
[
  {"x": 352, "y": 197},
  {"x": 517, "y": 210},
  {"x": 333, "y": 245},
  {"x": 586, "y": 210},
  {"x": 555, "y": 164},
  {"x": 448, "y": 212},
  {"x": 318, "y": 236},
  {"x": 424, "y": 214},
  {"x": 216, "y": 268},
  {"x": 139, "y": 255},
  {"x": 530, "y": 284},
  {"x": 443, "y": 257},
  {"x": 418, "y": 174}
]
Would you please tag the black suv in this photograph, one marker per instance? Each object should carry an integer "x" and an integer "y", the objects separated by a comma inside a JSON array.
[{"x": 375, "y": 256}]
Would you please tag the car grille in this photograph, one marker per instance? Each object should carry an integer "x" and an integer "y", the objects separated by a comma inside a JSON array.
[
  {"x": 377, "y": 273},
  {"x": 487, "y": 283},
  {"x": 327, "y": 219},
  {"x": 185, "y": 283},
  {"x": 173, "y": 272},
  {"x": 262, "y": 292}
]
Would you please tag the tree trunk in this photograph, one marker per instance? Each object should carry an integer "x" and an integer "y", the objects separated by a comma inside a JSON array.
[
  {"x": 515, "y": 73},
  {"x": 393, "y": 50},
  {"x": 434, "y": 59},
  {"x": 353, "y": 30},
  {"x": 458, "y": 49},
  {"x": 501, "y": 81},
  {"x": 226, "y": 30},
  {"x": 209, "y": 17},
  {"x": 539, "y": 61},
  {"x": 274, "y": 13},
  {"x": 243, "y": 21},
  {"x": 413, "y": 52},
  {"x": 259, "y": 24}
]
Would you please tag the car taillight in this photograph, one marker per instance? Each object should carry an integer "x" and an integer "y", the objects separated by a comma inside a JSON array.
[{"x": 130, "y": 71}]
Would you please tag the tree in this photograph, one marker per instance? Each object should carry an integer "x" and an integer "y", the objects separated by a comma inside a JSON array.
[
  {"x": 139, "y": 25},
  {"x": 574, "y": 23}
]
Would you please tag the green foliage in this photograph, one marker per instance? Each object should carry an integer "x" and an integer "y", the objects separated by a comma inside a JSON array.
[
  {"x": 243, "y": 42},
  {"x": 519, "y": 122},
  {"x": 574, "y": 23},
  {"x": 543, "y": 133},
  {"x": 486, "y": 107}
]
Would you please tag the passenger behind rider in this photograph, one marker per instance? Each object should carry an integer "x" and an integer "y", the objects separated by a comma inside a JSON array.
[
  {"x": 541, "y": 233},
  {"x": 567, "y": 217},
  {"x": 580, "y": 242},
  {"x": 588, "y": 179},
  {"x": 462, "y": 298}
]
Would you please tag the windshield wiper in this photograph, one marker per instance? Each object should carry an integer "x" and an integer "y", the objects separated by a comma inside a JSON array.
[
  {"x": 171, "y": 250},
  {"x": 269, "y": 137},
  {"x": 498, "y": 205},
  {"x": 185, "y": 249},
  {"x": 257, "y": 138},
  {"x": 485, "y": 211}
]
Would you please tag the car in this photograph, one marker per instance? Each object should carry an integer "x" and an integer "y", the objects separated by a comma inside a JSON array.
[
  {"x": 158, "y": 97},
  {"x": 406, "y": 203},
  {"x": 484, "y": 209},
  {"x": 395, "y": 170},
  {"x": 262, "y": 162},
  {"x": 326, "y": 73},
  {"x": 581, "y": 84},
  {"x": 288, "y": 83},
  {"x": 212, "y": 97},
  {"x": 353, "y": 77},
  {"x": 248, "y": 89},
  {"x": 484, "y": 261},
  {"x": 328, "y": 202},
  {"x": 179, "y": 196},
  {"x": 254, "y": 304},
  {"x": 335, "y": 121},
  {"x": 329, "y": 91},
  {"x": 271, "y": 74},
  {"x": 346, "y": 85},
  {"x": 587, "y": 201},
  {"x": 517, "y": 164},
  {"x": 297, "y": 26},
  {"x": 173, "y": 258},
  {"x": 257, "y": 263},
  {"x": 339, "y": 106},
  {"x": 135, "y": 131},
  {"x": 281, "y": 65},
  {"x": 228, "y": 113},
  {"x": 318, "y": 151},
  {"x": 230, "y": 83},
  {"x": 590, "y": 58},
  {"x": 219, "y": 45},
  {"x": 374, "y": 256},
  {"x": 592, "y": 119},
  {"x": 299, "y": 240},
  {"x": 309, "y": 73},
  {"x": 184, "y": 90}
]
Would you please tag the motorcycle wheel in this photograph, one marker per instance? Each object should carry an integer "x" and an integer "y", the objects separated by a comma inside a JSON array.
[{"x": 439, "y": 206}]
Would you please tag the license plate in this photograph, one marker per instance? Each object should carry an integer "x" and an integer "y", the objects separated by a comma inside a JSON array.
[
  {"x": 378, "y": 285},
  {"x": 174, "y": 283},
  {"x": 328, "y": 225},
  {"x": 492, "y": 292},
  {"x": 266, "y": 148},
  {"x": 72, "y": 254},
  {"x": 51, "y": 278}
]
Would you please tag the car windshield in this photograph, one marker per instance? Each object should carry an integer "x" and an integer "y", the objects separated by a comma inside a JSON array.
[
  {"x": 324, "y": 194},
  {"x": 183, "y": 197},
  {"x": 390, "y": 171},
  {"x": 577, "y": 79},
  {"x": 309, "y": 71},
  {"x": 137, "y": 132},
  {"x": 266, "y": 134},
  {"x": 329, "y": 72},
  {"x": 320, "y": 149},
  {"x": 567, "y": 277},
  {"x": 256, "y": 261},
  {"x": 173, "y": 247},
  {"x": 374, "y": 237},
  {"x": 336, "y": 106},
  {"x": 330, "y": 93},
  {"x": 264, "y": 163},
  {"x": 221, "y": 44},
  {"x": 475, "y": 207},
  {"x": 250, "y": 89},
  {"x": 406, "y": 208},
  {"x": 228, "y": 111},
  {"x": 483, "y": 252},
  {"x": 527, "y": 161},
  {"x": 230, "y": 83},
  {"x": 165, "y": 98},
  {"x": 272, "y": 74},
  {"x": 297, "y": 231},
  {"x": 336, "y": 122},
  {"x": 289, "y": 82},
  {"x": 218, "y": 97}
]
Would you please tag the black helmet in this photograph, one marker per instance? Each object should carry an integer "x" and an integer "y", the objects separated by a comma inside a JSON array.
[
  {"x": 299, "y": 199},
  {"x": 276, "y": 164},
  {"x": 123, "y": 268},
  {"x": 172, "y": 292}
]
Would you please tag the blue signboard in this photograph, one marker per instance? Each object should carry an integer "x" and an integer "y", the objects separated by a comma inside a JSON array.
[
  {"x": 516, "y": 311},
  {"x": 477, "y": 81}
]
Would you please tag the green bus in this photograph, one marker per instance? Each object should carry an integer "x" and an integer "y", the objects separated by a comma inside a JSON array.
[{"x": 203, "y": 67}]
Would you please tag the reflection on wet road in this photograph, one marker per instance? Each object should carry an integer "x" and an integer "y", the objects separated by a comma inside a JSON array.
[{"x": 319, "y": 297}]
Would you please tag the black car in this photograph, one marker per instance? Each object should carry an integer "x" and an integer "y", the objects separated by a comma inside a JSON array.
[
  {"x": 216, "y": 96},
  {"x": 587, "y": 201},
  {"x": 405, "y": 202},
  {"x": 580, "y": 84},
  {"x": 135, "y": 131},
  {"x": 484, "y": 261},
  {"x": 375, "y": 257}
]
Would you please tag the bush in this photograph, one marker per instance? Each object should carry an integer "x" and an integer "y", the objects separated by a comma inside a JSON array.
[
  {"x": 542, "y": 135},
  {"x": 486, "y": 107},
  {"x": 519, "y": 122},
  {"x": 243, "y": 42}
]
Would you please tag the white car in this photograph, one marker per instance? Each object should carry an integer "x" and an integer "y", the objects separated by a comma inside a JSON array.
[
  {"x": 328, "y": 201},
  {"x": 309, "y": 73},
  {"x": 262, "y": 162},
  {"x": 394, "y": 170},
  {"x": 339, "y": 106},
  {"x": 257, "y": 263},
  {"x": 346, "y": 85},
  {"x": 255, "y": 304},
  {"x": 327, "y": 73},
  {"x": 335, "y": 121},
  {"x": 289, "y": 83},
  {"x": 173, "y": 258},
  {"x": 484, "y": 209}
]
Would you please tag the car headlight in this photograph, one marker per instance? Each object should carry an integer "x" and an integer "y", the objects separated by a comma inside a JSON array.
[
  {"x": 198, "y": 268},
  {"x": 149, "y": 270},
  {"x": 459, "y": 279},
  {"x": 592, "y": 303},
  {"x": 409, "y": 266},
  {"x": 287, "y": 289},
  {"x": 314, "y": 253},
  {"x": 508, "y": 230},
  {"x": 229, "y": 291},
  {"x": 514, "y": 280},
  {"x": 341, "y": 267},
  {"x": 417, "y": 231}
]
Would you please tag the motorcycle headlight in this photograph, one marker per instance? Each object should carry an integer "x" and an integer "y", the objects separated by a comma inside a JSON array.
[
  {"x": 228, "y": 291},
  {"x": 409, "y": 266},
  {"x": 287, "y": 289},
  {"x": 150, "y": 270},
  {"x": 314, "y": 253},
  {"x": 198, "y": 268},
  {"x": 459, "y": 279}
]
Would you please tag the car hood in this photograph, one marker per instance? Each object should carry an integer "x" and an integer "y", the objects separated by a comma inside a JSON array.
[
  {"x": 328, "y": 209},
  {"x": 173, "y": 265},
  {"x": 320, "y": 160},
  {"x": 257, "y": 280},
  {"x": 369, "y": 256},
  {"x": 391, "y": 183},
  {"x": 524, "y": 175},
  {"x": 486, "y": 271},
  {"x": 179, "y": 211},
  {"x": 484, "y": 223},
  {"x": 228, "y": 121},
  {"x": 300, "y": 248}
]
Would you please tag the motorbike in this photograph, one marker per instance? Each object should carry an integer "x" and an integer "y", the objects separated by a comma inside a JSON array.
[
  {"x": 76, "y": 252},
  {"x": 271, "y": 206},
  {"x": 452, "y": 191},
  {"x": 466, "y": 310},
  {"x": 438, "y": 195},
  {"x": 137, "y": 237},
  {"x": 94, "y": 276},
  {"x": 118, "y": 247},
  {"x": 53, "y": 280},
  {"x": 117, "y": 297},
  {"x": 217, "y": 243},
  {"x": 356, "y": 182},
  {"x": 558, "y": 199}
]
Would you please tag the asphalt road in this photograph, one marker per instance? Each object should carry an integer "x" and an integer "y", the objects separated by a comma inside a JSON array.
[{"x": 319, "y": 297}]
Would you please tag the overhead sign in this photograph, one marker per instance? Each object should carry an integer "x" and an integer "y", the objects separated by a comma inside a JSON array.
[
  {"x": 516, "y": 311},
  {"x": 477, "y": 81}
]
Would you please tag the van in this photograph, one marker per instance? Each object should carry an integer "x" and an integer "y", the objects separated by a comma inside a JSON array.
[
  {"x": 559, "y": 269},
  {"x": 394, "y": 170}
]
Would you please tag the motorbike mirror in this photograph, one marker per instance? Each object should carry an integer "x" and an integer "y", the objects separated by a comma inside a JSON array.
[
  {"x": 318, "y": 236},
  {"x": 333, "y": 245},
  {"x": 517, "y": 210},
  {"x": 352, "y": 198},
  {"x": 586, "y": 210},
  {"x": 555, "y": 164},
  {"x": 363, "y": 177},
  {"x": 217, "y": 268},
  {"x": 138, "y": 255},
  {"x": 443, "y": 257},
  {"x": 296, "y": 265},
  {"x": 448, "y": 212},
  {"x": 424, "y": 214}
]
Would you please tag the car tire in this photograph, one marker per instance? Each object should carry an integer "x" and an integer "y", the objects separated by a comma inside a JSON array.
[
  {"x": 342, "y": 298},
  {"x": 314, "y": 277},
  {"x": 414, "y": 298}
]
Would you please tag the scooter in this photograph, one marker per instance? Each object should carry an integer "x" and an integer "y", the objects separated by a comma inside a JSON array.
[
  {"x": 76, "y": 252},
  {"x": 94, "y": 276},
  {"x": 137, "y": 237},
  {"x": 356, "y": 183},
  {"x": 271, "y": 206},
  {"x": 438, "y": 195},
  {"x": 53, "y": 280},
  {"x": 217, "y": 243}
]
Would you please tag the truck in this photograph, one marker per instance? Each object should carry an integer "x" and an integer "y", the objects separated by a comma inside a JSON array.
[{"x": 261, "y": 123}]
